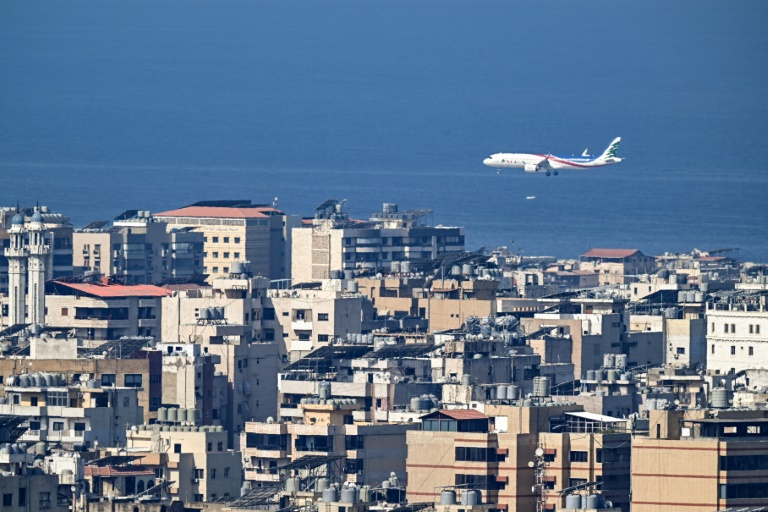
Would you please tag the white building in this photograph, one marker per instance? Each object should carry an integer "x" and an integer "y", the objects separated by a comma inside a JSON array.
[{"x": 737, "y": 332}]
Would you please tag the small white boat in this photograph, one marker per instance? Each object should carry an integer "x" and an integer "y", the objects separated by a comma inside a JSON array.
[{"x": 530, "y": 197}]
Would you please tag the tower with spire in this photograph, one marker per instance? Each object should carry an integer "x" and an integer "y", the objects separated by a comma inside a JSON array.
[
  {"x": 17, "y": 254},
  {"x": 38, "y": 253}
]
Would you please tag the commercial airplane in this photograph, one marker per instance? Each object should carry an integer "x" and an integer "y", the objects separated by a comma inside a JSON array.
[{"x": 547, "y": 164}]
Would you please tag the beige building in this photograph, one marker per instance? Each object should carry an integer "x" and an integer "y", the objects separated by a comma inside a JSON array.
[
  {"x": 196, "y": 460},
  {"x": 369, "y": 452},
  {"x": 737, "y": 332},
  {"x": 301, "y": 320},
  {"x": 138, "y": 248},
  {"x": 701, "y": 460},
  {"x": 617, "y": 266},
  {"x": 389, "y": 239},
  {"x": 490, "y": 452},
  {"x": 235, "y": 231}
]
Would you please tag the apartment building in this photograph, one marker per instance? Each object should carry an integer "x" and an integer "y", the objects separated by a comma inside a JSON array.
[
  {"x": 368, "y": 452},
  {"x": 138, "y": 248},
  {"x": 617, "y": 266},
  {"x": 300, "y": 320},
  {"x": 701, "y": 460},
  {"x": 236, "y": 231},
  {"x": 76, "y": 415},
  {"x": 195, "y": 459},
  {"x": 334, "y": 242},
  {"x": 122, "y": 363},
  {"x": 490, "y": 452},
  {"x": 737, "y": 331}
]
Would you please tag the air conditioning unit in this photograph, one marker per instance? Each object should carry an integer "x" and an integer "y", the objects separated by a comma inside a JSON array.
[{"x": 195, "y": 480}]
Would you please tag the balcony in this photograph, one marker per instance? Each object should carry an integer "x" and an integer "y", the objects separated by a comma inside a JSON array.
[
  {"x": 301, "y": 325},
  {"x": 262, "y": 475}
]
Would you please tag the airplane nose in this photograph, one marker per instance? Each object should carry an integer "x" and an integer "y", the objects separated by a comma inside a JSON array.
[{"x": 487, "y": 161}]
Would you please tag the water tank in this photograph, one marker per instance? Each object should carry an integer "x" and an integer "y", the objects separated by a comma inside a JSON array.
[
  {"x": 385, "y": 484},
  {"x": 651, "y": 404},
  {"x": 330, "y": 495},
  {"x": 162, "y": 414},
  {"x": 448, "y": 497},
  {"x": 720, "y": 398},
  {"x": 465, "y": 380},
  {"x": 583, "y": 501},
  {"x": 324, "y": 390},
  {"x": 621, "y": 360},
  {"x": 592, "y": 501},
  {"x": 590, "y": 374},
  {"x": 626, "y": 376},
  {"x": 425, "y": 403},
  {"x": 613, "y": 375},
  {"x": 527, "y": 402},
  {"x": 349, "y": 275},
  {"x": 220, "y": 313},
  {"x": 395, "y": 267},
  {"x": 699, "y": 297},
  {"x": 415, "y": 404},
  {"x": 40, "y": 448},
  {"x": 336, "y": 274},
  {"x": 681, "y": 296},
  {"x": 10, "y": 380},
  {"x": 34, "y": 380},
  {"x": 690, "y": 296},
  {"x": 92, "y": 383},
  {"x": 365, "y": 494},
  {"x": 609, "y": 360},
  {"x": 467, "y": 269},
  {"x": 321, "y": 484},
  {"x": 512, "y": 392},
  {"x": 468, "y": 498},
  {"x": 704, "y": 287},
  {"x": 405, "y": 267},
  {"x": 348, "y": 495},
  {"x": 491, "y": 393},
  {"x": 24, "y": 381},
  {"x": 573, "y": 502},
  {"x": 204, "y": 314},
  {"x": 173, "y": 415},
  {"x": 501, "y": 392},
  {"x": 455, "y": 271},
  {"x": 673, "y": 279},
  {"x": 541, "y": 386}
]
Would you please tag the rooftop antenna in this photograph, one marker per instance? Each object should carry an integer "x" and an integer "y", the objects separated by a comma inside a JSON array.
[{"x": 274, "y": 202}]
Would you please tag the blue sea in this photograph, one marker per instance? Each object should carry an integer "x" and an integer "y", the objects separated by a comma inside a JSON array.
[{"x": 111, "y": 105}]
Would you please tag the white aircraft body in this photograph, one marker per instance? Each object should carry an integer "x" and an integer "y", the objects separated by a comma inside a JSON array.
[{"x": 534, "y": 162}]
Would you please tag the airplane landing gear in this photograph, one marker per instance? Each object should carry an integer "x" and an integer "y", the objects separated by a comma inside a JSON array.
[
  {"x": 498, "y": 171},
  {"x": 555, "y": 173},
  {"x": 548, "y": 173}
]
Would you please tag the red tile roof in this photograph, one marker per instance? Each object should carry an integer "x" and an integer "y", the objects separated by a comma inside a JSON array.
[
  {"x": 610, "y": 253},
  {"x": 463, "y": 414},
  {"x": 118, "y": 290},
  {"x": 111, "y": 471},
  {"x": 220, "y": 212}
]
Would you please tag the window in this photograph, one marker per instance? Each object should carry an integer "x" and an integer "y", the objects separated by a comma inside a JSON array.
[
  {"x": 751, "y": 351},
  {"x": 220, "y": 447},
  {"x": 237, "y": 239},
  {"x": 215, "y": 239},
  {"x": 573, "y": 482},
  {"x": 210, "y": 447},
  {"x": 107, "y": 379},
  {"x": 215, "y": 254},
  {"x": 751, "y": 329},
  {"x": 226, "y": 255},
  {"x": 7, "y": 500},
  {"x": 226, "y": 239},
  {"x": 64, "y": 311},
  {"x": 34, "y": 425},
  {"x": 725, "y": 328},
  {"x": 133, "y": 380},
  {"x": 733, "y": 350},
  {"x": 23, "y": 497},
  {"x": 681, "y": 350},
  {"x": 79, "y": 427},
  {"x": 58, "y": 426},
  {"x": 45, "y": 500},
  {"x": 198, "y": 498},
  {"x": 226, "y": 471},
  {"x": 322, "y": 337},
  {"x": 733, "y": 328},
  {"x": 237, "y": 255},
  {"x": 212, "y": 473},
  {"x": 225, "y": 269},
  {"x": 713, "y": 327},
  {"x": 177, "y": 448},
  {"x": 757, "y": 328},
  {"x": 713, "y": 348},
  {"x": 199, "y": 473},
  {"x": 599, "y": 455},
  {"x": 579, "y": 456},
  {"x": 322, "y": 317}
]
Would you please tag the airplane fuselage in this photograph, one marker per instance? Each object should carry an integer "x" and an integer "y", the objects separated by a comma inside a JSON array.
[{"x": 539, "y": 162}]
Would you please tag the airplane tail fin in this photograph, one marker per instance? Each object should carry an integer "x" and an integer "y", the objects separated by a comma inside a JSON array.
[{"x": 609, "y": 155}]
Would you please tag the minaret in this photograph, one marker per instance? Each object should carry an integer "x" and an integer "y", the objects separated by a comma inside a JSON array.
[
  {"x": 38, "y": 254},
  {"x": 17, "y": 271}
]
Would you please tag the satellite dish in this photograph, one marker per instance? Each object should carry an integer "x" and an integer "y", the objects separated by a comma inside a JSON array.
[
  {"x": 539, "y": 452},
  {"x": 531, "y": 464}
]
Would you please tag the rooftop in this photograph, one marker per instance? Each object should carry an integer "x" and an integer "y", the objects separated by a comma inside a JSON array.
[
  {"x": 223, "y": 209},
  {"x": 114, "y": 290},
  {"x": 610, "y": 253}
]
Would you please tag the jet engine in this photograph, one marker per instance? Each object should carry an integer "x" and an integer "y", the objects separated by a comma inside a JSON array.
[{"x": 532, "y": 168}]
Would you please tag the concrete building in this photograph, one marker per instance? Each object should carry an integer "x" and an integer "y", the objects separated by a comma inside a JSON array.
[
  {"x": 76, "y": 415},
  {"x": 617, "y": 266},
  {"x": 195, "y": 459},
  {"x": 104, "y": 310},
  {"x": 490, "y": 452},
  {"x": 701, "y": 460},
  {"x": 334, "y": 242},
  {"x": 737, "y": 331},
  {"x": 301, "y": 320},
  {"x": 238, "y": 231},
  {"x": 369, "y": 452},
  {"x": 139, "y": 249}
]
